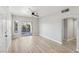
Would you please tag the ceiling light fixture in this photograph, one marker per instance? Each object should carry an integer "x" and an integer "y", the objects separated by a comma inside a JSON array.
[{"x": 34, "y": 13}]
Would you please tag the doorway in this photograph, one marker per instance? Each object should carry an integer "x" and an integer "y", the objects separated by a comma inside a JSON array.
[
  {"x": 69, "y": 32},
  {"x": 26, "y": 29},
  {"x": 22, "y": 28}
]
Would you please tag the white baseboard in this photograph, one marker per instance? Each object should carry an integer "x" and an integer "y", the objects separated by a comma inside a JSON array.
[{"x": 51, "y": 39}]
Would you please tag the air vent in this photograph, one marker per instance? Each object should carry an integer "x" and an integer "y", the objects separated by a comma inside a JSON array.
[{"x": 65, "y": 10}]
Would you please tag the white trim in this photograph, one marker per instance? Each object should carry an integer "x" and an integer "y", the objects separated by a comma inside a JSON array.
[{"x": 51, "y": 39}]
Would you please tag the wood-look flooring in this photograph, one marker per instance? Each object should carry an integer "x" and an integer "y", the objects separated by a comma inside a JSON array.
[{"x": 38, "y": 44}]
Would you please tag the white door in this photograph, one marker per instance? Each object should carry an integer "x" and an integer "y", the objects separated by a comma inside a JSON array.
[{"x": 3, "y": 33}]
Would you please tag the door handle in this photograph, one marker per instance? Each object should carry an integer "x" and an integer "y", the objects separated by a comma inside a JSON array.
[{"x": 5, "y": 35}]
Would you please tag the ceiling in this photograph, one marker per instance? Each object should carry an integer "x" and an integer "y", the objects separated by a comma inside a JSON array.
[{"x": 42, "y": 10}]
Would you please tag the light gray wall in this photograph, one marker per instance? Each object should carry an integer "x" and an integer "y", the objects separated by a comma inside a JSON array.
[{"x": 50, "y": 27}]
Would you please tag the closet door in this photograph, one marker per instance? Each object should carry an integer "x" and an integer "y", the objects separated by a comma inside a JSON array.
[{"x": 3, "y": 34}]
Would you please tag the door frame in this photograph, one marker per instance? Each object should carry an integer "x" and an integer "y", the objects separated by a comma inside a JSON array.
[{"x": 63, "y": 28}]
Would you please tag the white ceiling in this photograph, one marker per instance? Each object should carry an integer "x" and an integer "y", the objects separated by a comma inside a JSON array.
[{"x": 42, "y": 10}]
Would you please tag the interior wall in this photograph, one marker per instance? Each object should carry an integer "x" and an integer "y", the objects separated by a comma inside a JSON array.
[
  {"x": 21, "y": 19},
  {"x": 50, "y": 27}
]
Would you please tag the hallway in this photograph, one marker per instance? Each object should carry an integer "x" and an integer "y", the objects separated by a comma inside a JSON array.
[{"x": 38, "y": 44}]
